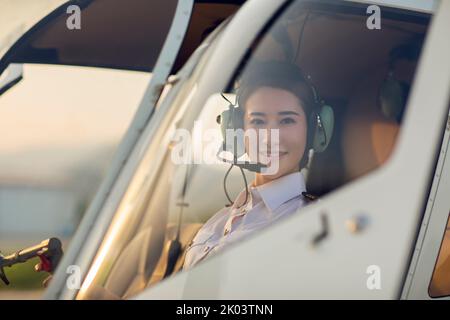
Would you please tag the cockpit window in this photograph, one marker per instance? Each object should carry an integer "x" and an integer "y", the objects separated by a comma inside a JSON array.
[{"x": 317, "y": 103}]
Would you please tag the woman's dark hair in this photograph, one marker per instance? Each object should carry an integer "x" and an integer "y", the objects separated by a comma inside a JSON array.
[
  {"x": 276, "y": 74},
  {"x": 281, "y": 75}
]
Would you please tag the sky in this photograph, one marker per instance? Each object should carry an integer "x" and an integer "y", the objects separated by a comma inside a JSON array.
[{"x": 58, "y": 114}]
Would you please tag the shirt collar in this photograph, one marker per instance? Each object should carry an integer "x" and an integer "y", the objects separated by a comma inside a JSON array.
[
  {"x": 253, "y": 198},
  {"x": 281, "y": 190}
]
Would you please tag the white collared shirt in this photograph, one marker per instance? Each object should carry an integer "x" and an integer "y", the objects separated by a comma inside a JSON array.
[{"x": 266, "y": 204}]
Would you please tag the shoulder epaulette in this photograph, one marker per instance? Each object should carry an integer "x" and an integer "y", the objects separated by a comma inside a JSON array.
[{"x": 309, "y": 197}]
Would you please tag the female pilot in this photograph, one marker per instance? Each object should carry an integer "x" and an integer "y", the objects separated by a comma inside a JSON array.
[{"x": 275, "y": 95}]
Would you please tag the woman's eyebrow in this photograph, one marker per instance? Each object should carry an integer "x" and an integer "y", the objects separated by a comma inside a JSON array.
[
  {"x": 286, "y": 113},
  {"x": 257, "y": 114},
  {"x": 281, "y": 113}
]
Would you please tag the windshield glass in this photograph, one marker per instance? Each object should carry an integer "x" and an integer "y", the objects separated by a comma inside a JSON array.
[{"x": 317, "y": 103}]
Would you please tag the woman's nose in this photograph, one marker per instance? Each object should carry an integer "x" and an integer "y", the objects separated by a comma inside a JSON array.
[{"x": 270, "y": 136}]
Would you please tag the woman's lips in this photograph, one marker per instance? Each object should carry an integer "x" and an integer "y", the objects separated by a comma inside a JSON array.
[{"x": 274, "y": 154}]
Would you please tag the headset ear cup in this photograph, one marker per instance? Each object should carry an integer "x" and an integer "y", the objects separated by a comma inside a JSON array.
[
  {"x": 224, "y": 120},
  {"x": 232, "y": 119},
  {"x": 323, "y": 130},
  {"x": 312, "y": 123},
  {"x": 392, "y": 99},
  {"x": 238, "y": 118},
  {"x": 238, "y": 124}
]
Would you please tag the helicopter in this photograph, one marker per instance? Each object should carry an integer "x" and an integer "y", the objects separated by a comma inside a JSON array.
[{"x": 380, "y": 229}]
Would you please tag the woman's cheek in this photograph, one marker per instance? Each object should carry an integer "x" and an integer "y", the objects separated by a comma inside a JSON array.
[
  {"x": 293, "y": 139},
  {"x": 294, "y": 135}
]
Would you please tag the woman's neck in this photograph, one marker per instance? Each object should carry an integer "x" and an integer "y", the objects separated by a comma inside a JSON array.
[{"x": 261, "y": 179}]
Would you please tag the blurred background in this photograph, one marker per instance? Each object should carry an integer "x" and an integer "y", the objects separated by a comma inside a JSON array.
[{"x": 59, "y": 129}]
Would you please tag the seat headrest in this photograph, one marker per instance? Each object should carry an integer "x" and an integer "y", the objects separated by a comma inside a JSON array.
[{"x": 368, "y": 137}]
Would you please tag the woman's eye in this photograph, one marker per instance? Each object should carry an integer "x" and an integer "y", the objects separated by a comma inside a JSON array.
[
  {"x": 256, "y": 122},
  {"x": 287, "y": 121}
]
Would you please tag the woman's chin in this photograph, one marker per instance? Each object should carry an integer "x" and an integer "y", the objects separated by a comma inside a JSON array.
[
  {"x": 274, "y": 168},
  {"x": 272, "y": 173}
]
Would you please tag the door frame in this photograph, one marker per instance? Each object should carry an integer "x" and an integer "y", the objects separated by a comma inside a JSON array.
[
  {"x": 398, "y": 203},
  {"x": 432, "y": 228}
]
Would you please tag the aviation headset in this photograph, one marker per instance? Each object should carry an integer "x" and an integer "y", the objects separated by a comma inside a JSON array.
[
  {"x": 393, "y": 92},
  {"x": 319, "y": 131}
]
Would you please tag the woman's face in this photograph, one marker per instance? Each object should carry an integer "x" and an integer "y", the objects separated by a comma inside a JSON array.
[{"x": 273, "y": 108}]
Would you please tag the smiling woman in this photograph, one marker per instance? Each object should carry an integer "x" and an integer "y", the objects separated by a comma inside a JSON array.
[{"x": 272, "y": 96}]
